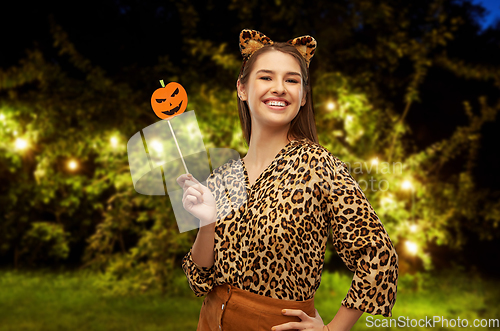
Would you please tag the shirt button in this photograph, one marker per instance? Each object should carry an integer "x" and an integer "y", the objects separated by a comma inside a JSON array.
[{"x": 222, "y": 306}]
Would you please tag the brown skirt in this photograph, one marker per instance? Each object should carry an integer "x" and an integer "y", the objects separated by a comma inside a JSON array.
[{"x": 229, "y": 308}]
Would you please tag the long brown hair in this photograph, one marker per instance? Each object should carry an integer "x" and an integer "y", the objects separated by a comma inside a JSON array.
[{"x": 304, "y": 124}]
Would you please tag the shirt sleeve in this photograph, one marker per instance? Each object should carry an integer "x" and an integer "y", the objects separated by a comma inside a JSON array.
[
  {"x": 361, "y": 241},
  {"x": 228, "y": 196},
  {"x": 200, "y": 279}
]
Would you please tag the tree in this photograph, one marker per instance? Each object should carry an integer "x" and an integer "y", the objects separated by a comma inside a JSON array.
[{"x": 370, "y": 74}]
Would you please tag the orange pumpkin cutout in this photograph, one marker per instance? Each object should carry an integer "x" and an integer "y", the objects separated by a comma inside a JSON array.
[{"x": 169, "y": 101}]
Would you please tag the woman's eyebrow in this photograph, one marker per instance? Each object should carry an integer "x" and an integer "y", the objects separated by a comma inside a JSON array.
[{"x": 267, "y": 71}]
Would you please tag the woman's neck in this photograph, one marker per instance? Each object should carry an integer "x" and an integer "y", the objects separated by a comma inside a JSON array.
[{"x": 263, "y": 148}]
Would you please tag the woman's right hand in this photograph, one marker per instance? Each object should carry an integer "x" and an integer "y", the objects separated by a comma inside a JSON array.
[{"x": 198, "y": 200}]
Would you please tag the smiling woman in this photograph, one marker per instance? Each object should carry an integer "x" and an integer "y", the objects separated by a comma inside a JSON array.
[
  {"x": 270, "y": 75},
  {"x": 260, "y": 264},
  {"x": 274, "y": 98}
]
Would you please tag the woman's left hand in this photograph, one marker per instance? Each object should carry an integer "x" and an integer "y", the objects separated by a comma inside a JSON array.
[{"x": 306, "y": 323}]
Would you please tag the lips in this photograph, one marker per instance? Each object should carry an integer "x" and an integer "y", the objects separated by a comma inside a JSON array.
[{"x": 276, "y": 103}]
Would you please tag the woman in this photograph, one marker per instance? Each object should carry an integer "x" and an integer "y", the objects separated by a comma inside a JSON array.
[{"x": 259, "y": 252}]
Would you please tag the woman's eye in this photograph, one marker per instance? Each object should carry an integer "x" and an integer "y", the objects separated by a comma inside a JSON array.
[{"x": 293, "y": 81}]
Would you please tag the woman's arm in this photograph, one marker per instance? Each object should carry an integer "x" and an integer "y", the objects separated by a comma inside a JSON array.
[
  {"x": 199, "y": 261},
  {"x": 361, "y": 242},
  {"x": 199, "y": 201},
  {"x": 203, "y": 248},
  {"x": 344, "y": 319}
]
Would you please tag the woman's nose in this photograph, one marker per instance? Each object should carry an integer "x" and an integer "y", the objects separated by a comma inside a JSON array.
[{"x": 278, "y": 87}]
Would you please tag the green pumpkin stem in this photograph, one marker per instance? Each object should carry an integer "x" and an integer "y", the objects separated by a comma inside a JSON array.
[{"x": 162, "y": 83}]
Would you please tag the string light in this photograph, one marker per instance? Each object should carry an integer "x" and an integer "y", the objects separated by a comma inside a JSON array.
[
  {"x": 338, "y": 133},
  {"x": 330, "y": 105},
  {"x": 407, "y": 185},
  {"x": 413, "y": 228},
  {"x": 191, "y": 128},
  {"x": 157, "y": 146},
  {"x": 114, "y": 142},
  {"x": 375, "y": 161},
  {"x": 21, "y": 144},
  {"x": 411, "y": 247},
  {"x": 2, "y": 117},
  {"x": 72, "y": 165}
]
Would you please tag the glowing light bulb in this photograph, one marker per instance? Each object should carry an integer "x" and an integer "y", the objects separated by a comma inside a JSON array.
[
  {"x": 330, "y": 105},
  {"x": 72, "y": 165},
  {"x": 375, "y": 161},
  {"x": 411, "y": 247},
  {"x": 114, "y": 141},
  {"x": 407, "y": 185},
  {"x": 157, "y": 146},
  {"x": 21, "y": 144},
  {"x": 191, "y": 128}
]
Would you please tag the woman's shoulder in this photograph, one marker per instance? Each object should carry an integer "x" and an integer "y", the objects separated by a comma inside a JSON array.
[
  {"x": 232, "y": 167},
  {"x": 309, "y": 150}
]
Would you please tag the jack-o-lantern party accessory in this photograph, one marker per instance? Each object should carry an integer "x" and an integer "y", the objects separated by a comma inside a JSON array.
[
  {"x": 252, "y": 40},
  {"x": 170, "y": 100},
  {"x": 167, "y": 102}
]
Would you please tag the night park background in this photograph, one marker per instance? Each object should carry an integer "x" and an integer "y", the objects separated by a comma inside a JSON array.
[{"x": 413, "y": 82}]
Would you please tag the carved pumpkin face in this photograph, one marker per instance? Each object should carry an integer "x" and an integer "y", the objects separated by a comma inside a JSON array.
[{"x": 169, "y": 101}]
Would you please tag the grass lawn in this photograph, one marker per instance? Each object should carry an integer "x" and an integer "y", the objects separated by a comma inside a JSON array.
[{"x": 71, "y": 301}]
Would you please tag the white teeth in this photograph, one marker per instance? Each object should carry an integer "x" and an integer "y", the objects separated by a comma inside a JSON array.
[{"x": 277, "y": 103}]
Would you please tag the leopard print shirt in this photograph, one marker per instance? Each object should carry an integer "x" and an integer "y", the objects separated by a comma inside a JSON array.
[{"x": 272, "y": 240}]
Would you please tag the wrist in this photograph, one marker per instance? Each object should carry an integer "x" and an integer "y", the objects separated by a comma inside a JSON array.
[{"x": 207, "y": 228}]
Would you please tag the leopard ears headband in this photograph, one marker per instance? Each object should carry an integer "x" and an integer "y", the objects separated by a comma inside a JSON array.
[{"x": 252, "y": 40}]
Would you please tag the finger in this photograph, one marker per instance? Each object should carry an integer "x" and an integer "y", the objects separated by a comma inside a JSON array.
[
  {"x": 189, "y": 201},
  {"x": 191, "y": 191},
  {"x": 181, "y": 179},
  {"x": 193, "y": 178},
  {"x": 198, "y": 187},
  {"x": 189, "y": 183},
  {"x": 295, "y": 312},
  {"x": 287, "y": 326}
]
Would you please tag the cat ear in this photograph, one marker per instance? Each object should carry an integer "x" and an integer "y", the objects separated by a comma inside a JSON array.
[
  {"x": 252, "y": 40},
  {"x": 306, "y": 45}
]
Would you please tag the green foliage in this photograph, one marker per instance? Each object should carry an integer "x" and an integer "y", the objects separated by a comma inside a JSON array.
[
  {"x": 45, "y": 239},
  {"x": 149, "y": 263},
  {"x": 372, "y": 61}
]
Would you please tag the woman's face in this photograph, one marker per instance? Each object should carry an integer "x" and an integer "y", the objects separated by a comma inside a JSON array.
[{"x": 274, "y": 91}]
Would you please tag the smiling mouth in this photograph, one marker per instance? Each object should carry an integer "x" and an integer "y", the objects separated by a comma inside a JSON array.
[{"x": 273, "y": 104}]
